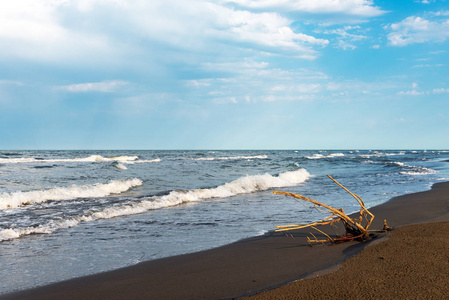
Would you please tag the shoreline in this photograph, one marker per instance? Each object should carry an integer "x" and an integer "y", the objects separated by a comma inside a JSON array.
[
  {"x": 242, "y": 268},
  {"x": 412, "y": 263}
]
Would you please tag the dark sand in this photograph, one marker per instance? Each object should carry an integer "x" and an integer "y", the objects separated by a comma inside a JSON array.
[
  {"x": 251, "y": 265},
  {"x": 413, "y": 263}
]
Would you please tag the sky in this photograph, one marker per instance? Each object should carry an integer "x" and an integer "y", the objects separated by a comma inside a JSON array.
[{"x": 224, "y": 74}]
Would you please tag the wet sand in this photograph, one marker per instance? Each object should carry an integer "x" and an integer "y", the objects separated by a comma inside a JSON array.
[{"x": 260, "y": 263}]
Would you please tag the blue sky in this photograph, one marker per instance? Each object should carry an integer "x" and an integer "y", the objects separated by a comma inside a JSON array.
[{"x": 224, "y": 74}]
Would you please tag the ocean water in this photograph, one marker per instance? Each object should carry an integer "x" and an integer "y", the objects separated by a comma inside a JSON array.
[{"x": 65, "y": 214}]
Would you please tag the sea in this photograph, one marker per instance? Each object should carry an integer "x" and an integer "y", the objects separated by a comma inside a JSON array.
[{"x": 66, "y": 214}]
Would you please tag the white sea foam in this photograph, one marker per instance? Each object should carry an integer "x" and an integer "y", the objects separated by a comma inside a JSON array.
[
  {"x": 141, "y": 161},
  {"x": 380, "y": 154},
  {"x": 243, "y": 185},
  {"x": 318, "y": 156},
  {"x": 18, "y": 199},
  {"x": 120, "y": 166},
  {"x": 232, "y": 157},
  {"x": 419, "y": 171},
  {"x": 414, "y": 170},
  {"x": 93, "y": 158},
  {"x": 14, "y": 233}
]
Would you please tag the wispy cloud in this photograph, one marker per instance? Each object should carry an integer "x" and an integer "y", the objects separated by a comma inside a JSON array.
[
  {"x": 440, "y": 91},
  {"x": 428, "y": 65},
  {"x": 104, "y": 86},
  {"x": 411, "y": 93},
  {"x": 345, "y": 38},
  {"x": 350, "y": 7},
  {"x": 11, "y": 82},
  {"x": 418, "y": 30}
]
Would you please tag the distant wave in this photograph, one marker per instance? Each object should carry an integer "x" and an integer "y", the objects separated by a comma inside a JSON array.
[
  {"x": 380, "y": 154},
  {"x": 119, "y": 166},
  {"x": 141, "y": 161},
  {"x": 413, "y": 170},
  {"x": 243, "y": 185},
  {"x": 18, "y": 199},
  {"x": 318, "y": 156},
  {"x": 232, "y": 157},
  {"x": 93, "y": 158},
  {"x": 418, "y": 171}
]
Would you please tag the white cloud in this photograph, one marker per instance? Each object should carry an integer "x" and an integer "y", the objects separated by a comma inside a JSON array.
[
  {"x": 440, "y": 91},
  {"x": 111, "y": 31},
  {"x": 437, "y": 52},
  {"x": 266, "y": 29},
  {"x": 34, "y": 30},
  {"x": 428, "y": 65},
  {"x": 345, "y": 39},
  {"x": 442, "y": 13},
  {"x": 418, "y": 30},
  {"x": 411, "y": 93},
  {"x": 11, "y": 82},
  {"x": 253, "y": 82},
  {"x": 415, "y": 92},
  {"x": 350, "y": 7},
  {"x": 104, "y": 86}
]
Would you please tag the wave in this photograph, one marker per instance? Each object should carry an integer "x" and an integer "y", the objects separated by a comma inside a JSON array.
[
  {"x": 318, "y": 156},
  {"x": 14, "y": 233},
  {"x": 18, "y": 199},
  {"x": 413, "y": 170},
  {"x": 380, "y": 154},
  {"x": 419, "y": 171},
  {"x": 119, "y": 166},
  {"x": 243, "y": 185},
  {"x": 141, "y": 161},
  {"x": 93, "y": 158},
  {"x": 232, "y": 157}
]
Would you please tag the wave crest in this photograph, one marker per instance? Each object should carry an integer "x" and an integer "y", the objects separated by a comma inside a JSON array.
[
  {"x": 318, "y": 156},
  {"x": 18, "y": 199},
  {"x": 243, "y": 185},
  {"x": 232, "y": 157},
  {"x": 93, "y": 158}
]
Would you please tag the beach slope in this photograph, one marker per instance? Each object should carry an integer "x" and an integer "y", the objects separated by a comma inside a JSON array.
[{"x": 242, "y": 268}]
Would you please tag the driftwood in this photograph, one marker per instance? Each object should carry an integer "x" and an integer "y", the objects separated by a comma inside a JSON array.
[{"x": 355, "y": 230}]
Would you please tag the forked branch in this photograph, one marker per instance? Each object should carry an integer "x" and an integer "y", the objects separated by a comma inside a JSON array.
[{"x": 355, "y": 230}]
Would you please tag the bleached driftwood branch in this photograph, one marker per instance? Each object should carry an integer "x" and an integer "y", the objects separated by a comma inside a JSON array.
[{"x": 354, "y": 228}]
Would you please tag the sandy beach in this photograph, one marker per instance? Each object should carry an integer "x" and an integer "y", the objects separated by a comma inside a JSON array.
[
  {"x": 413, "y": 263},
  {"x": 262, "y": 263}
]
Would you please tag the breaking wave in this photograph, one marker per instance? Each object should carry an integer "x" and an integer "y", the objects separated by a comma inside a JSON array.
[
  {"x": 381, "y": 154},
  {"x": 243, "y": 185},
  {"x": 413, "y": 170},
  {"x": 318, "y": 156},
  {"x": 232, "y": 157},
  {"x": 419, "y": 171},
  {"x": 93, "y": 158},
  {"x": 18, "y": 199}
]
